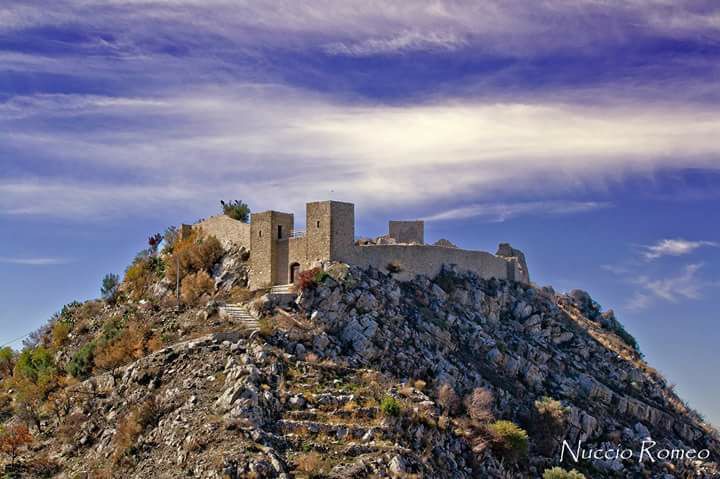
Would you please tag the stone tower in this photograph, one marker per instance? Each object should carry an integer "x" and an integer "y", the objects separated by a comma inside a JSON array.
[
  {"x": 330, "y": 231},
  {"x": 267, "y": 230}
]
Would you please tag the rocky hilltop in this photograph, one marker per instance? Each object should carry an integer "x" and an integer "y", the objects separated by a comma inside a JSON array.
[{"x": 350, "y": 374}]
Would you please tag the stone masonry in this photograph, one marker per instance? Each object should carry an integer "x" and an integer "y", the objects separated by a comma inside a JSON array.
[{"x": 278, "y": 252}]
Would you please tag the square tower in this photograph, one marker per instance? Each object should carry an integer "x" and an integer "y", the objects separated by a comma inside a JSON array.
[
  {"x": 330, "y": 231},
  {"x": 267, "y": 229}
]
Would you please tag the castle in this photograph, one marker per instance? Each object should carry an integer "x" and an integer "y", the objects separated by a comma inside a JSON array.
[{"x": 278, "y": 252}]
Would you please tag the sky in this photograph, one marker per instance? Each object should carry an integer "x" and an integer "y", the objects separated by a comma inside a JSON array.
[{"x": 584, "y": 132}]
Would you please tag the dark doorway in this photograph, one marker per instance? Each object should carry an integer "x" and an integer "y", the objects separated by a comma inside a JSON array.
[{"x": 294, "y": 270}]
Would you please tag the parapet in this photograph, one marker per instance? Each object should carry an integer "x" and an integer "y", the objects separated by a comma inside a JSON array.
[{"x": 407, "y": 231}]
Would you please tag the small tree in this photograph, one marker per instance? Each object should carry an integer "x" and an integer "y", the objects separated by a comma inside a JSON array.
[
  {"x": 548, "y": 425},
  {"x": 479, "y": 405},
  {"x": 154, "y": 242},
  {"x": 508, "y": 440},
  {"x": 7, "y": 361},
  {"x": 12, "y": 439},
  {"x": 195, "y": 286},
  {"x": 109, "y": 288},
  {"x": 236, "y": 210},
  {"x": 448, "y": 399}
]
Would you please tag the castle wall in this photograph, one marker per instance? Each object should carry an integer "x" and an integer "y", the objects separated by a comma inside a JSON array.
[
  {"x": 407, "y": 231},
  {"x": 330, "y": 236},
  {"x": 227, "y": 230},
  {"x": 342, "y": 227},
  {"x": 429, "y": 260}
]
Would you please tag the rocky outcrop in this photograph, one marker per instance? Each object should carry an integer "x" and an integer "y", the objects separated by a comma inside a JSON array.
[{"x": 305, "y": 393}]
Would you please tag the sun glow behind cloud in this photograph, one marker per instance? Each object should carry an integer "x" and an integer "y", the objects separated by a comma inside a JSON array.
[{"x": 252, "y": 137}]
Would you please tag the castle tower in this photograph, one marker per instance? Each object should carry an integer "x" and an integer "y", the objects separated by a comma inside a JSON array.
[
  {"x": 330, "y": 231},
  {"x": 269, "y": 233}
]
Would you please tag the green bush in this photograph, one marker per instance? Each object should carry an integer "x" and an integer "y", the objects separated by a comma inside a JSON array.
[
  {"x": 237, "y": 210},
  {"x": 390, "y": 406},
  {"x": 560, "y": 473},
  {"x": 548, "y": 425},
  {"x": 628, "y": 338},
  {"x": 82, "y": 362},
  {"x": 36, "y": 364},
  {"x": 109, "y": 288},
  {"x": 508, "y": 440}
]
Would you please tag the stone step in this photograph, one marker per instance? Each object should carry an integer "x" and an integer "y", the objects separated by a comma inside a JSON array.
[
  {"x": 240, "y": 314},
  {"x": 283, "y": 289},
  {"x": 339, "y": 430}
]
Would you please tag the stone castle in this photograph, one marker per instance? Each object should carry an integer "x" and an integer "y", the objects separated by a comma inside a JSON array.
[{"x": 278, "y": 252}]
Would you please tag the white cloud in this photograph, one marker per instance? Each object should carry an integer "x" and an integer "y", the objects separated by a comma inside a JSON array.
[
  {"x": 504, "y": 211},
  {"x": 33, "y": 261},
  {"x": 408, "y": 41},
  {"x": 686, "y": 285},
  {"x": 674, "y": 247},
  {"x": 279, "y": 147}
]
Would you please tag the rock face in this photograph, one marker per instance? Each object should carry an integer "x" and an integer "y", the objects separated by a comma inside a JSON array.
[{"x": 307, "y": 397}]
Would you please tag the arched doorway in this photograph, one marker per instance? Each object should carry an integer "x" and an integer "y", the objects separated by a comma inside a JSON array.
[{"x": 294, "y": 270}]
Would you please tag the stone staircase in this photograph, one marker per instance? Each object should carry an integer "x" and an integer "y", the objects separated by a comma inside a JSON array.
[
  {"x": 239, "y": 314},
  {"x": 283, "y": 289}
]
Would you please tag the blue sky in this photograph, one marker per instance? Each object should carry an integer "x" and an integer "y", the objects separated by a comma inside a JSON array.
[{"x": 584, "y": 132}]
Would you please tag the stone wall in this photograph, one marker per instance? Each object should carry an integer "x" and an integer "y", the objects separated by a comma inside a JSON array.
[
  {"x": 227, "y": 230},
  {"x": 407, "y": 231},
  {"x": 429, "y": 260}
]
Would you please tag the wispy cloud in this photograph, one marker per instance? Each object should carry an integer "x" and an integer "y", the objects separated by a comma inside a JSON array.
[
  {"x": 34, "y": 261},
  {"x": 499, "y": 212},
  {"x": 408, "y": 41},
  {"x": 674, "y": 247},
  {"x": 685, "y": 285},
  {"x": 277, "y": 143}
]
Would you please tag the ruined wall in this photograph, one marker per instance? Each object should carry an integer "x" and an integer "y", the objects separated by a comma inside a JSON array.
[
  {"x": 227, "y": 230},
  {"x": 429, "y": 260},
  {"x": 407, "y": 231}
]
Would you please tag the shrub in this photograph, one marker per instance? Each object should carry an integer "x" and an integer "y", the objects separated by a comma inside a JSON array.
[
  {"x": 191, "y": 254},
  {"x": 479, "y": 405},
  {"x": 390, "y": 406},
  {"x": 195, "y": 286},
  {"x": 82, "y": 362},
  {"x": 310, "y": 278},
  {"x": 122, "y": 349},
  {"x": 548, "y": 423},
  {"x": 170, "y": 236},
  {"x": 36, "y": 365},
  {"x": 560, "y": 473},
  {"x": 508, "y": 440},
  {"x": 139, "y": 277},
  {"x": 309, "y": 463},
  {"x": 60, "y": 332},
  {"x": 109, "y": 288},
  {"x": 236, "y": 210},
  {"x": 7, "y": 361},
  {"x": 13, "y": 438},
  {"x": 393, "y": 267},
  {"x": 154, "y": 242},
  {"x": 628, "y": 338},
  {"x": 131, "y": 426},
  {"x": 448, "y": 399}
]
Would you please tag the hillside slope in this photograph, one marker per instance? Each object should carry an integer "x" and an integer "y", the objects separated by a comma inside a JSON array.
[{"x": 359, "y": 376}]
